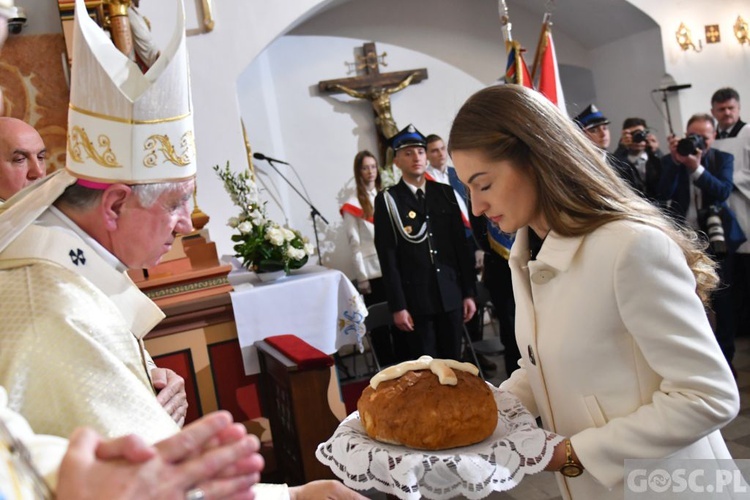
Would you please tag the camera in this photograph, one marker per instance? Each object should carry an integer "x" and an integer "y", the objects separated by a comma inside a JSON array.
[
  {"x": 16, "y": 20},
  {"x": 715, "y": 230},
  {"x": 639, "y": 136},
  {"x": 691, "y": 144}
]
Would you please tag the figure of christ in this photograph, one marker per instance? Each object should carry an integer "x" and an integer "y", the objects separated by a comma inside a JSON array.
[{"x": 380, "y": 98}]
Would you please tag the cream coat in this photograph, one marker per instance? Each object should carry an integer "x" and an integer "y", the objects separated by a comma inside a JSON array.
[
  {"x": 617, "y": 353},
  {"x": 361, "y": 236}
]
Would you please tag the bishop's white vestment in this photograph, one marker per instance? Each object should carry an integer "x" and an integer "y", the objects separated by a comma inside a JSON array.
[{"x": 71, "y": 349}]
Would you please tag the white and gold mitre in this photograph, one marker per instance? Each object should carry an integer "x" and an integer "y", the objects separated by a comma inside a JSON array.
[
  {"x": 6, "y": 8},
  {"x": 123, "y": 125}
]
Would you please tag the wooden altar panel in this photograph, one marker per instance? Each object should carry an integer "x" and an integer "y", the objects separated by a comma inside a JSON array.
[{"x": 235, "y": 391}]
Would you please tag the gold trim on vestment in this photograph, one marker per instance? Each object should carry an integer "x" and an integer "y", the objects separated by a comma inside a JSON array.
[{"x": 129, "y": 121}]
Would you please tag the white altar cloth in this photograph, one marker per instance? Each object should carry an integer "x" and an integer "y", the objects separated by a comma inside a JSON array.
[{"x": 318, "y": 305}]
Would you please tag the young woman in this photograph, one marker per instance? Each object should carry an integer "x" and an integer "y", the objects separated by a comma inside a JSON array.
[
  {"x": 617, "y": 353},
  {"x": 357, "y": 213},
  {"x": 358, "y": 222}
]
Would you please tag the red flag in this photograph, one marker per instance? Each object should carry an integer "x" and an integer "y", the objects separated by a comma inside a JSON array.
[
  {"x": 516, "y": 61},
  {"x": 549, "y": 75}
]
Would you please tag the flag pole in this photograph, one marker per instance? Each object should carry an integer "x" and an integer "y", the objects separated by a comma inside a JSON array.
[
  {"x": 542, "y": 45},
  {"x": 505, "y": 22}
]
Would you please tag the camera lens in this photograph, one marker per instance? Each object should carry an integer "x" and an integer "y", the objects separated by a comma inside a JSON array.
[
  {"x": 639, "y": 136},
  {"x": 715, "y": 230},
  {"x": 690, "y": 145}
]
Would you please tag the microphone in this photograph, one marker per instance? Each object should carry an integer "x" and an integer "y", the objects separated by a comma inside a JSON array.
[
  {"x": 261, "y": 156},
  {"x": 673, "y": 88}
]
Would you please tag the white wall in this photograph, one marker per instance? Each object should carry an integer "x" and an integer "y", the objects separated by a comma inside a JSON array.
[
  {"x": 287, "y": 119},
  {"x": 624, "y": 89},
  {"x": 466, "y": 34},
  {"x": 718, "y": 65}
]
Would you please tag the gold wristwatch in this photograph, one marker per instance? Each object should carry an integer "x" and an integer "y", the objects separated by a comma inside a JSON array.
[{"x": 570, "y": 468}]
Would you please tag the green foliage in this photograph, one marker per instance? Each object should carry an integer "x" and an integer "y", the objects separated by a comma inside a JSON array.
[{"x": 261, "y": 244}]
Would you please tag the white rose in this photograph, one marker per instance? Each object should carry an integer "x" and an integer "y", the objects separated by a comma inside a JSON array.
[
  {"x": 233, "y": 222},
  {"x": 275, "y": 236},
  {"x": 309, "y": 249},
  {"x": 245, "y": 227},
  {"x": 289, "y": 235},
  {"x": 295, "y": 253},
  {"x": 257, "y": 217}
]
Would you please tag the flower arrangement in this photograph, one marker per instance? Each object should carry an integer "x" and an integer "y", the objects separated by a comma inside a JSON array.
[{"x": 261, "y": 244}]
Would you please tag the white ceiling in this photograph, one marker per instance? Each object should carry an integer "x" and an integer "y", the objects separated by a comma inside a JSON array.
[{"x": 592, "y": 23}]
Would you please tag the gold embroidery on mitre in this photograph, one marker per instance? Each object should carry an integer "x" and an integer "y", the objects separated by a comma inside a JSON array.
[
  {"x": 78, "y": 143},
  {"x": 161, "y": 143}
]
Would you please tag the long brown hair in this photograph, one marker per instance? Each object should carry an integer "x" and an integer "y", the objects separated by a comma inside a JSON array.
[
  {"x": 362, "y": 196},
  {"x": 577, "y": 190}
]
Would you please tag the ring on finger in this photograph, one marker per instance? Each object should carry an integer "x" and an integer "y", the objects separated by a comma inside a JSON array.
[{"x": 195, "y": 494}]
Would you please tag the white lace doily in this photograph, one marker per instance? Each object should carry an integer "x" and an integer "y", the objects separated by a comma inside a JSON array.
[{"x": 516, "y": 448}]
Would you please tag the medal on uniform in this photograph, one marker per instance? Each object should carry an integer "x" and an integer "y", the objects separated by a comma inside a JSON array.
[
  {"x": 412, "y": 214},
  {"x": 407, "y": 229}
]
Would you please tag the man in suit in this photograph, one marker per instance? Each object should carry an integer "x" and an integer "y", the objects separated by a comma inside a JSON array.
[
  {"x": 690, "y": 185},
  {"x": 733, "y": 136},
  {"x": 637, "y": 162},
  {"x": 426, "y": 262},
  {"x": 440, "y": 171}
]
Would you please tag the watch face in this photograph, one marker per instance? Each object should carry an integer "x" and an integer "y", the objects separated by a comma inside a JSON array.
[{"x": 571, "y": 470}]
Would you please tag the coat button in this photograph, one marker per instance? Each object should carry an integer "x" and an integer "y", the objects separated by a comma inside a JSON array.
[
  {"x": 531, "y": 356},
  {"x": 542, "y": 276}
]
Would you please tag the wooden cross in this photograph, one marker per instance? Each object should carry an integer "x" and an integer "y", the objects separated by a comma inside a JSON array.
[{"x": 377, "y": 88}]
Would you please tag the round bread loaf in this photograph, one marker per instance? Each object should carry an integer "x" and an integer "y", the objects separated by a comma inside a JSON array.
[{"x": 418, "y": 411}]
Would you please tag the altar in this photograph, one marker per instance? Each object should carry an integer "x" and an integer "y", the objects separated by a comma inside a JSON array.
[{"x": 318, "y": 305}]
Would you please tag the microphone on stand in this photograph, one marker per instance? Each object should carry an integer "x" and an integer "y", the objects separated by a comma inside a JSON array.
[
  {"x": 261, "y": 156},
  {"x": 664, "y": 90},
  {"x": 314, "y": 212},
  {"x": 673, "y": 88}
]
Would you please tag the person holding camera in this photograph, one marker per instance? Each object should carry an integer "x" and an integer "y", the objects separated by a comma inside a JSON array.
[
  {"x": 636, "y": 160},
  {"x": 733, "y": 136},
  {"x": 695, "y": 184}
]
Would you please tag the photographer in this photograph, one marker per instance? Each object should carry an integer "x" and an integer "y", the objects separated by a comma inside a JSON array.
[
  {"x": 637, "y": 162},
  {"x": 695, "y": 184}
]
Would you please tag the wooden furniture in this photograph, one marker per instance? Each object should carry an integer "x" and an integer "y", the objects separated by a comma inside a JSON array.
[
  {"x": 198, "y": 339},
  {"x": 295, "y": 402}
]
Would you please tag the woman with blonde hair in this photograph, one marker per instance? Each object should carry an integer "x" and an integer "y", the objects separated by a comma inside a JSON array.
[{"x": 617, "y": 352}]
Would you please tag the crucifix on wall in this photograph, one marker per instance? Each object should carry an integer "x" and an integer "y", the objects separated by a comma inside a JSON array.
[{"x": 377, "y": 88}]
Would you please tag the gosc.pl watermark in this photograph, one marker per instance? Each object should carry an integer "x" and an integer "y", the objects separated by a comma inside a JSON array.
[{"x": 686, "y": 479}]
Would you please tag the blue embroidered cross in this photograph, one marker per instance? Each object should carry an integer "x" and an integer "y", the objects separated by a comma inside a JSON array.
[{"x": 77, "y": 256}]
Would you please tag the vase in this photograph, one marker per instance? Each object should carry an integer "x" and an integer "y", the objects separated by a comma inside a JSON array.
[{"x": 266, "y": 276}]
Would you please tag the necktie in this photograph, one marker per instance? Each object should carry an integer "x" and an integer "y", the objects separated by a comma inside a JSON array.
[
  {"x": 420, "y": 198},
  {"x": 723, "y": 134}
]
